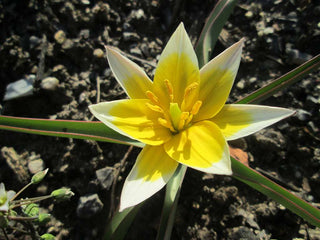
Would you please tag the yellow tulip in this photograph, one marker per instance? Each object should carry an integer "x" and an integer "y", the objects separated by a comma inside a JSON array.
[{"x": 181, "y": 115}]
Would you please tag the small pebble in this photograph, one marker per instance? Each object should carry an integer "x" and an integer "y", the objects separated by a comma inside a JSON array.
[
  {"x": 49, "y": 83},
  {"x": 241, "y": 84},
  {"x": 105, "y": 177},
  {"x": 89, "y": 206},
  {"x": 60, "y": 36},
  {"x": 249, "y": 14},
  {"x": 36, "y": 166},
  {"x": 98, "y": 53}
]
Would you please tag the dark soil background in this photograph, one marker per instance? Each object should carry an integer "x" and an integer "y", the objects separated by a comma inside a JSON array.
[{"x": 62, "y": 43}]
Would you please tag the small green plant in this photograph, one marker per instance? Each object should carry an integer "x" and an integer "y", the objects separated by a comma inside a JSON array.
[{"x": 24, "y": 215}]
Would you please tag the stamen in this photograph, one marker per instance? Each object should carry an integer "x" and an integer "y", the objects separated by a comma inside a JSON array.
[
  {"x": 196, "y": 107},
  {"x": 154, "y": 108},
  {"x": 166, "y": 124},
  {"x": 153, "y": 98},
  {"x": 190, "y": 95},
  {"x": 182, "y": 120},
  {"x": 190, "y": 88},
  {"x": 188, "y": 120},
  {"x": 169, "y": 88}
]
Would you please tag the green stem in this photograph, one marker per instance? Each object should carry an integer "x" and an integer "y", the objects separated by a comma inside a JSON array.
[
  {"x": 18, "y": 193},
  {"x": 170, "y": 203},
  {"x": 21, "y": 202}
]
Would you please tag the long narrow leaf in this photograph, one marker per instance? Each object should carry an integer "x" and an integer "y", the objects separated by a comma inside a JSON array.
[
  {"x": 276, "y": 192},
  {"x": 283, "y": 81},
  {"x": 212, "y": 29},
  {"x": 171, "y": 203},
  {"x": 65, "y": 128},
  {"x": 120, "y": 223}
]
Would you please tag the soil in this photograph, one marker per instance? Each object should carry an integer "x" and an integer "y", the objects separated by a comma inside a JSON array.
[{"x": 62, "y": 43}]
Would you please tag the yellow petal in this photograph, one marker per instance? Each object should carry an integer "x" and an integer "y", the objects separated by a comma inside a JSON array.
[
  {"x": 216, "y": 80},
  {"x": 179, "y": 65},
  {"x": 132, "y": 118},
  {"x": 240, "y": 120},
  {"x": 202, "y": 147},
  {"x": 152, "y": 170},
  {"x": 129, "y": 75}
]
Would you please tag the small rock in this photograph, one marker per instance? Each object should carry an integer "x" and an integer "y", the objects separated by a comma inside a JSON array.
[
  {"x": 98, "y": 53},
  {"x": 270, "y": 139},
  {"x": 60, "y": 37},
  {"x": 83, "y": 97},
  {"x": 242, "y": 233},
  {"x": 105, "y": 35},
  {"x": 84, "y": 34},
  {"x": 302, "y": 115},
  {"x": 249, "y": 14},
  {"x": 252, "y": 80},
  {"x": 49, "y": 83},
  {"x": 268, "y": 30},
  {"x": 314, "y": 128},
  {"x": 130, "y": 36},
  {"x": 292, "y": 16},
  {"x": 35, "y": 166},
  {"x": 138, "y": 14},
  {"x": 89, "y": 206},
  {"x": 145, "y": 50},
  {"x": 34, "y": 41},
  {"x": 105, "y": 177},
  {"x": 241, "y": 84},
  {"x": 20, "y": 88},
  {"x": 85, "y": 2},
  {"x": 136, "y": 51},
  {"x": 67, "y": 44}
]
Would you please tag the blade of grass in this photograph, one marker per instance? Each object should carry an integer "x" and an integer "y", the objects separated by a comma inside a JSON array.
[
  {"x": 282, "y": 82},
  {"x": 212, "y": 29},
  {"x": 276, "y": 192},
  {"x": 170, "y": 203},
  {"x": 120, "y": 223},
  {"x": 65, "y": 128}
]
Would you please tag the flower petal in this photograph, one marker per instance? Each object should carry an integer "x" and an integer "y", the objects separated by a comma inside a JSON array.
[
  {"x": 132, "y": 118},
  {"x": 130, "y": 76},
  {"x": 202, "y": 147},
  {"x": 240, "y": 120},
  {"x": 216, "y": 80},
  {"x": 152, "y": 170},
  {"x": 178, "y": 64}
]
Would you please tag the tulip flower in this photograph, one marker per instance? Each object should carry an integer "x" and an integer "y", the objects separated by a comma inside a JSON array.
[{"x": 181, "y": 116}]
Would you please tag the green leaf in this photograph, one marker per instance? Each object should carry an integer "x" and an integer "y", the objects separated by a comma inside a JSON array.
[
  {"x": 282, "y": 82},
  {"x": 170, "y": 203},
  {"x": 276, "y": 192},
  {"x": 120, "y": 223},
  {"x": 212, "y": 29},
  {"x": 65, "y": 128}
]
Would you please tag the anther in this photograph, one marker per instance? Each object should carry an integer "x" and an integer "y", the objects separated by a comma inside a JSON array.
[
  {"x": 154, "y": 108},
  {"x": 153, "y": 98},
  {"x": 190, "y": 88},
  {"x": 166, "y": 124},
  {"x": 169, "y": 89},
  {"x": 183, "y": 117},
  {"x": 196, "y": 107}
]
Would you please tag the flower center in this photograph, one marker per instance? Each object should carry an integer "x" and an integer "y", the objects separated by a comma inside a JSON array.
[
  {"x": 176, "y": 118},
  {"x": 3, "y": 199}
]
